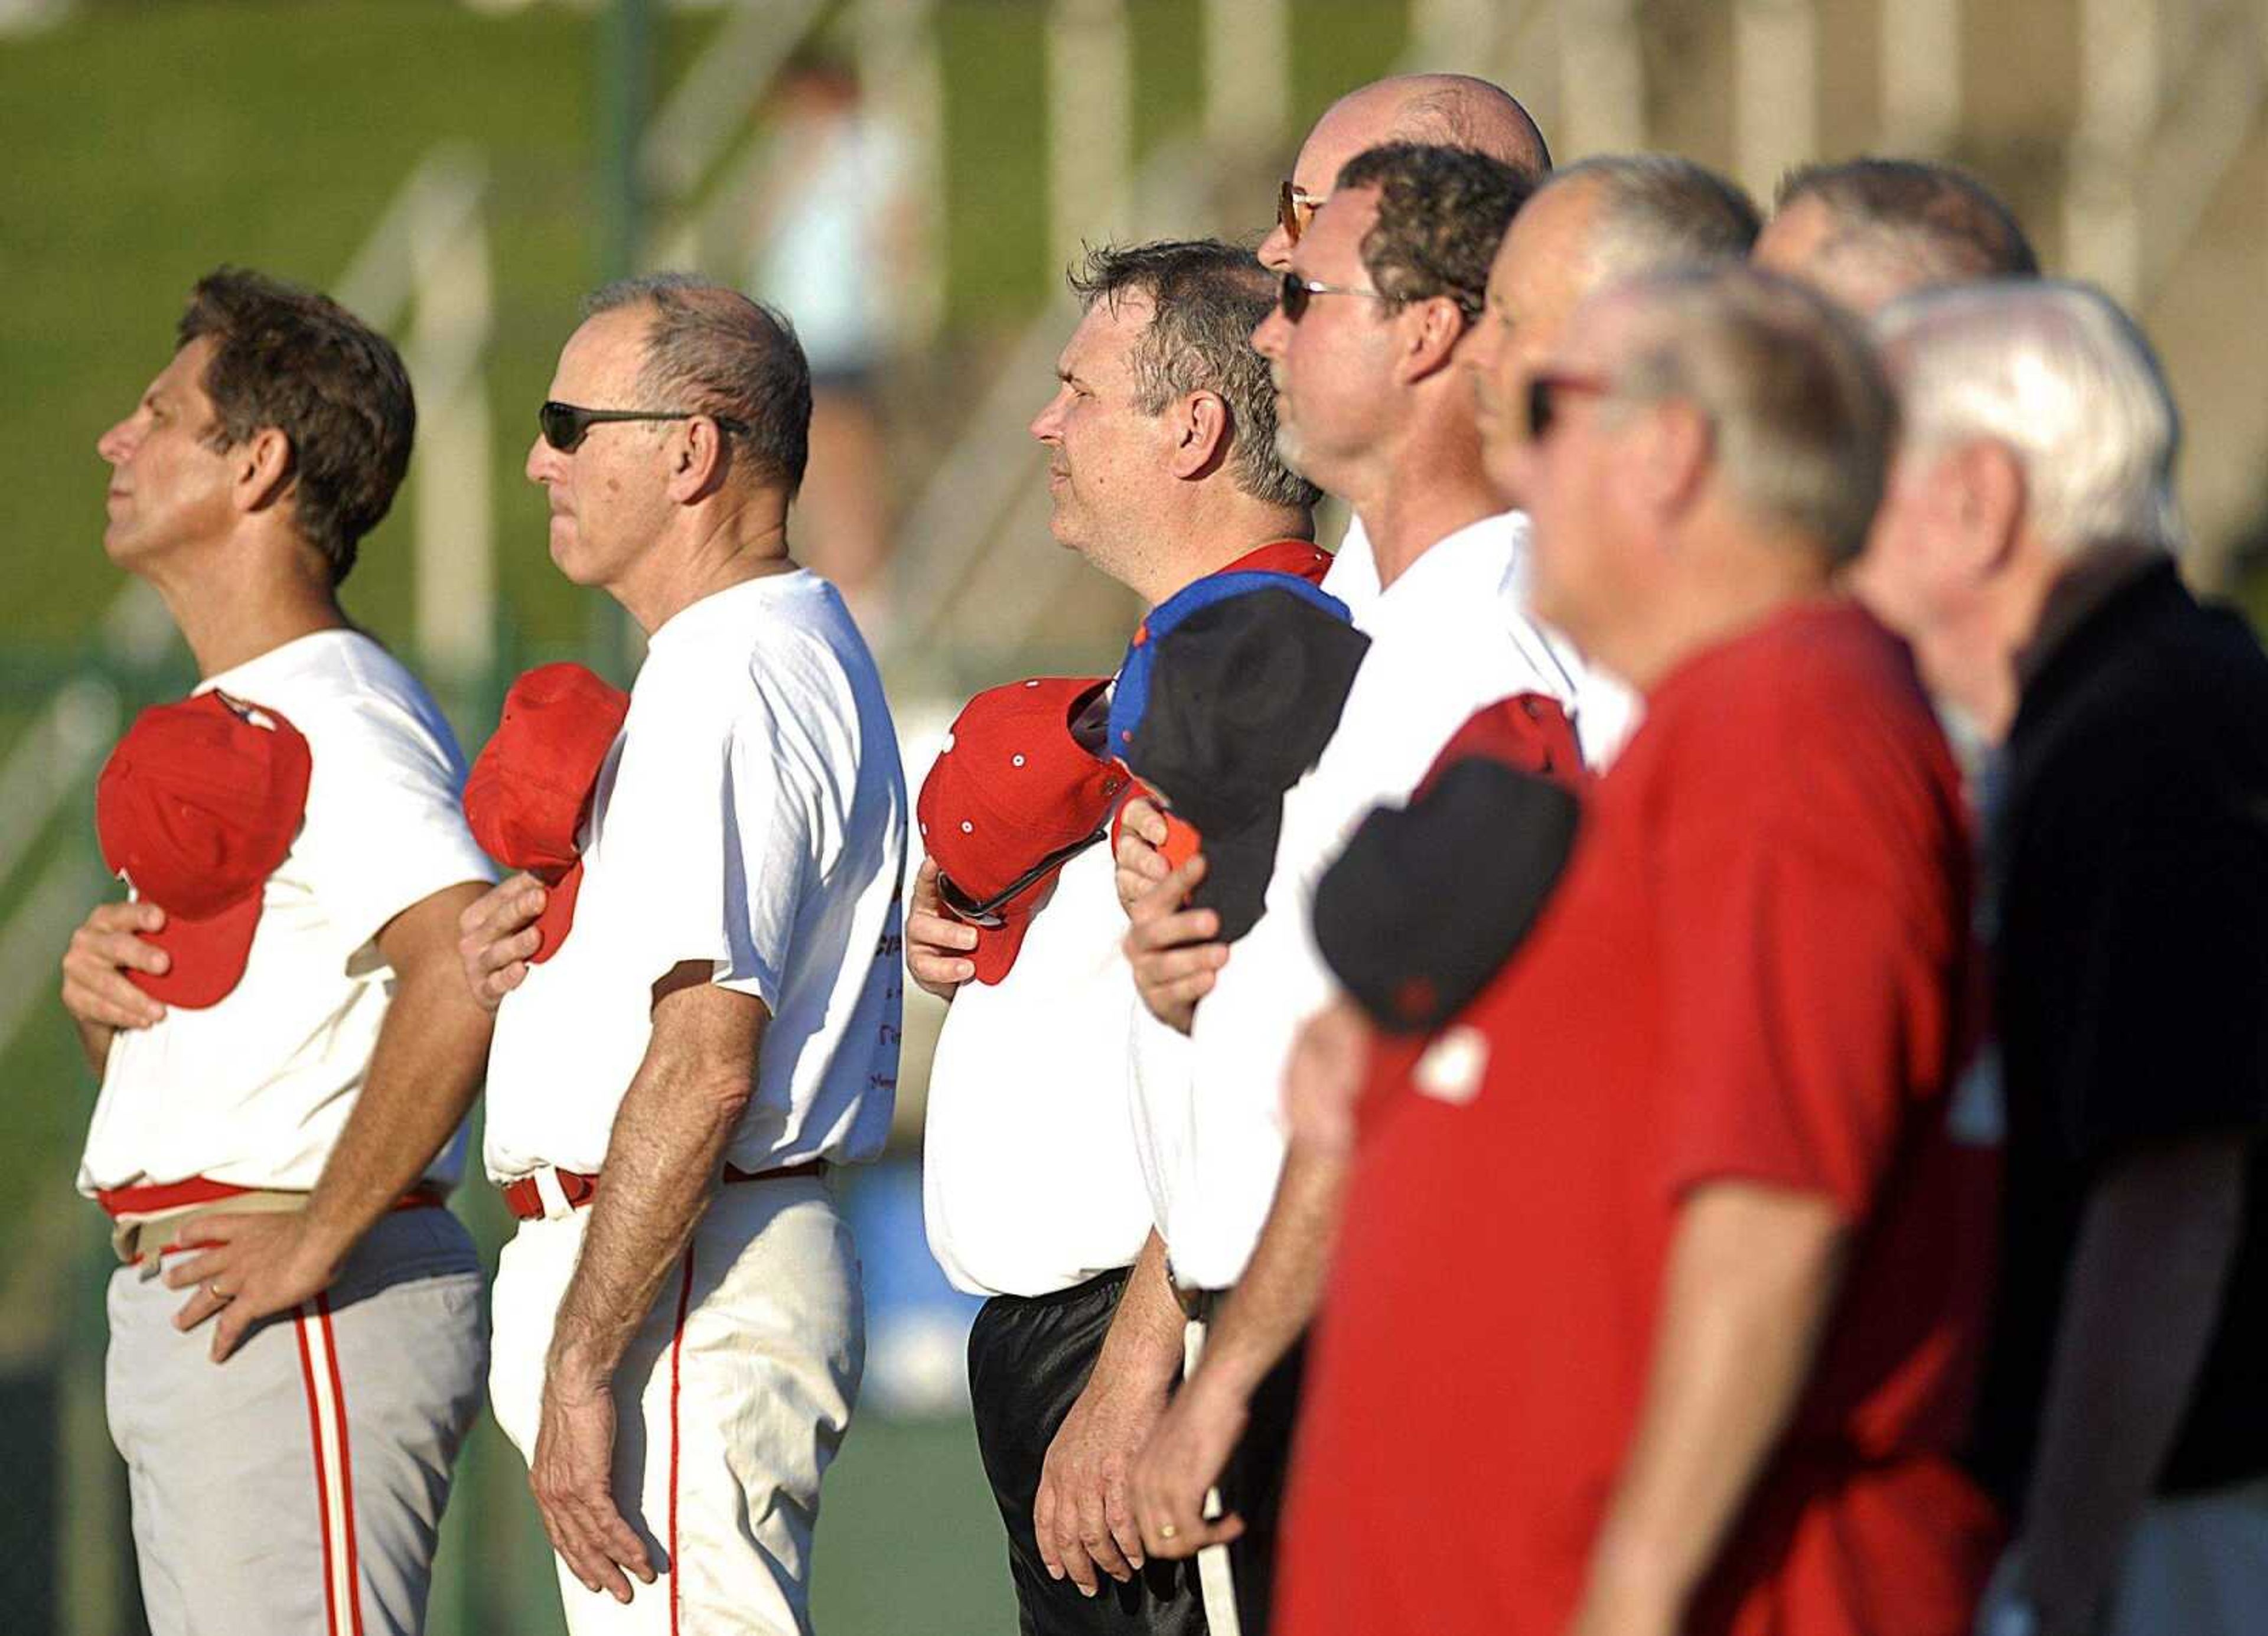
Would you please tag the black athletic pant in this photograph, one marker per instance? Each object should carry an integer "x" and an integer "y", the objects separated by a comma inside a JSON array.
[{"x": 1028, "y": 1360}]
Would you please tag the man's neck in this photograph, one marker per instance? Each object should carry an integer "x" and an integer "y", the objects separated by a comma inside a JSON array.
[
  {"x": 1705, "y": 610},
  {"x": 1425, "y": 492},
  {"x": 708, "y": 554},
  {"x": 229, "y": 614},
  {"x": 1211, "y": 544}
]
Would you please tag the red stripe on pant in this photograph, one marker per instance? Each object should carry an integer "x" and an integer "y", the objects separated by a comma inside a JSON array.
[
  {"x": 676, "y": 1353},
  {"x": 316, "y": 1318},
  {"x": 346, "y": 1460}
]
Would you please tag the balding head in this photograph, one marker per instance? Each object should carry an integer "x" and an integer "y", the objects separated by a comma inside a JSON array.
[
  {"x": 1432, "y": 110},
  {"x": 1868, "y": 232},
  {"x": 1608, "y": 218}
]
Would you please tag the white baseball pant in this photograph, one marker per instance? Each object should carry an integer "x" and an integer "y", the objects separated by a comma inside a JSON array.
[{"x": 729, "y": 1406}]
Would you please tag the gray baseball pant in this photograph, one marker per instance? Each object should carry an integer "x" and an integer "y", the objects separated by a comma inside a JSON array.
[{"x": 299, "y": 1486}]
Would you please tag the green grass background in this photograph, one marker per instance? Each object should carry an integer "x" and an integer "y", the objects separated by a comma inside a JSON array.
[{"x": 147, "y": 142}]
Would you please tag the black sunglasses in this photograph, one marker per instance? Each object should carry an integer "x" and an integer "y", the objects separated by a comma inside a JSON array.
[
  {"x": 566, "y": 424},
  {"x": 1298, "y": 291},
  {"x": 1543, "y": 390},
  {"x": 985, "y": 912}
]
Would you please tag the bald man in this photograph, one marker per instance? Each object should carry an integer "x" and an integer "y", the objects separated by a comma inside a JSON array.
[
  {"x": 1866, "y": 231},
  {"x": 1442, "y": 110}
]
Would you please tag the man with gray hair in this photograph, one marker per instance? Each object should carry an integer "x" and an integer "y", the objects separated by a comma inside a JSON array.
[
  {"x": 704, "y": 1020},
  {"x": 1608, "y": 218},
  {"x": 2027, "y": 548},
  {"x": 1162, "y": 466},
  {"x": 1661, "y": 1281},
  {"x": 1868, "y": 231}
]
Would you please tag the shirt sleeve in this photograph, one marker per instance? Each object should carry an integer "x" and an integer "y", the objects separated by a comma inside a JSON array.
[
  {"x": 384, "y": 828},
  {"x": 1803, "y": 1002},
  {"x": 772, "y": 830},
  {"x": 2162, "y": 900}
]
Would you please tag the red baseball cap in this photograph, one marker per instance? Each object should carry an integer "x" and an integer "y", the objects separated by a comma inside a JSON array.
[
  {"x": 531, "y": 784},
  {"x": 195, "y": 808},
  {"x": 1014, "y": 797}
]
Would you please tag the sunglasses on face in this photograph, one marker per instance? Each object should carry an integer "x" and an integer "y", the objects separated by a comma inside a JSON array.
[
  {"x": 1295, "y": 208},
  {"x": 565, "y": 425},
  {"x": 1298, "y": 293},
  {"x": 1544, "y": 389},
  {"x": 986, "y": 912}
]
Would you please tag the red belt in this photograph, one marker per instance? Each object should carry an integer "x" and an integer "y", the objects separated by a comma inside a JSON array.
[
  {"x": 525, "y": 1200},
  {"x": 164, "y": 1195}
]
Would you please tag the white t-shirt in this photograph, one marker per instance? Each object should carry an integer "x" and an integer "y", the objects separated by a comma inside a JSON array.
[
  {"x": 254, "y": 1090},
  {"x": 751, "y": 815},
  {"x": 1029, "y": 1180},
  {"x": 1352, "y": 576},
  {"x": 1447, "y": 636}
]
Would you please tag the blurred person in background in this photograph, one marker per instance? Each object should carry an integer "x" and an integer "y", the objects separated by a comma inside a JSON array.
[
  {"x": 286, "y": 1050},
  {"x": 1382, "y": 293},
  {"x": 1662, "y": 1282},
  {"x": 2027, "y": 548},
  {"x": 1604, "y": 218},
  {"x": 687, "y": 1045},
  {"x": 1160, "y": 439},
  {"x": 1442, "y": 110},
  {"x": 832, "y": 244},
  {"x": 1868, "y": 231}
]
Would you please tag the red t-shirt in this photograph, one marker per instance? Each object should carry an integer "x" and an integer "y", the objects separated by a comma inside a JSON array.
[{"x": 1752, "y": 969}]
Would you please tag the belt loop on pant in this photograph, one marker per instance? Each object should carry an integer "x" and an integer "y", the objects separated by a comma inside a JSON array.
[{"x": 553, "y": 1196}]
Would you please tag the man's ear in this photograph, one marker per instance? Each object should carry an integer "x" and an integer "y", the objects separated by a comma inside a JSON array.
[
  {"x": 698, "y": 459},
  {"x": 1987, "y": 497},
  {"x": 1201, "y": 431},
  {"x": 261, "y": 469},
  {"x": 1428, "y": 332},
  {"x": 1674, "y": 448}
]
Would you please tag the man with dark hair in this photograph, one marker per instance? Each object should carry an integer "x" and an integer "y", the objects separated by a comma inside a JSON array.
[
  {"x": 1661, "y": 1287},
  {"x": 704, "y": 1012},
  {"x": 1380, "y": 298},
  {"x": 286, "y": 1050},
  {"x": 1163, "y": 468},
  {"x": 1868, "y": 231}
]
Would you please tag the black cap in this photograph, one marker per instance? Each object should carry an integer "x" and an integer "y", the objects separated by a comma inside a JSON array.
[
  {"x": 1428, "y": 901},
  {"x": 1243, "y": 695}
]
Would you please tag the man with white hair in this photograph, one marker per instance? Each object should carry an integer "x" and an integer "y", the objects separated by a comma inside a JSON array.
[{"x": 2027, "y": 548}]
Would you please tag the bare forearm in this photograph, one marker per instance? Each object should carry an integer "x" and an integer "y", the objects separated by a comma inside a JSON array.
[
  {"x": 95, "y": 1041},
  {"x": 1144, "y": 1346},
  {"x": 662, "y": 1166},
  {"x": 430, "y": 1056},
  {"x": 2143, "y": 1291},
  {"x": 426, "y": 1068},
  {"x": 1751, "y": 1275},
  {"x": 1284, "y": 1284}
]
